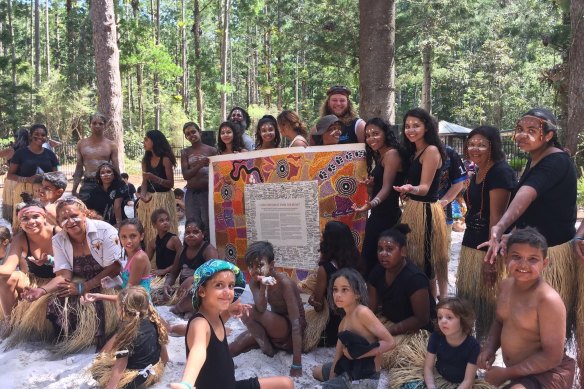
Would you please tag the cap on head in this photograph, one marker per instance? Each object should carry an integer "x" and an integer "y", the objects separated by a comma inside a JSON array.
[
  {"x": 338, "y": 90},
  {"x": 325, "y": 122}
]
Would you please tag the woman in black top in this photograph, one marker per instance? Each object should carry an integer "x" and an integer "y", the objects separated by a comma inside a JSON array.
[
  {"x": 428, "y": 243},
  {"x": 21, "y": 140},
  {"x": 29, "y": 163},
  {"x": 157, "y": 182},
  {"x": 545, "y": 198},
  {"x": 110, "y": 195},
  {"x": 486, "y": 197}
]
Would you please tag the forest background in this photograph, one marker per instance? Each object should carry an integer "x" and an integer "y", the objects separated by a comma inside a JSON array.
[{"x": 470, "y": 61}]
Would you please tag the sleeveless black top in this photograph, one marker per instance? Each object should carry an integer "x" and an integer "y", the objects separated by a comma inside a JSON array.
[
  {"x": 414, "y": 177},
  {"x": 218, "y": 371},
  {"x": 44, "y": 271},
  {"x": 164, "y": 255},
  {"x": 348, "y": 134},
  {"x": 158, "y": 171},
  {"x": 195, "y": 262}
]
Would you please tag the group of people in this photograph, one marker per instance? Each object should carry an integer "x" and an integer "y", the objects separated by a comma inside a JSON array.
[{"x": 69, "y": 257}]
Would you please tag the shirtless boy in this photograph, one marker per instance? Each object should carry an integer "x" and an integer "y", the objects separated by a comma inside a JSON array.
[
  {"x": 282, "y": 327},
  {"x": 530, "y": 322},
  {"x": 52, "y": 188},
  {"x": 92, "y": 152},
  {"x": 194, "y": 163}
]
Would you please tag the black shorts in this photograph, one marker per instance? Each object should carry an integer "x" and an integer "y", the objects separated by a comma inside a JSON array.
[{"x": 248, "y": 383}]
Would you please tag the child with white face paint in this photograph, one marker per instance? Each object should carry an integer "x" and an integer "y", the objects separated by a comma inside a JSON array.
[{"x": 283, "y": 326}]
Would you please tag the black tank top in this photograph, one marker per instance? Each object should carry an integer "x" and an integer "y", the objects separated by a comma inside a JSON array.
[
  {"x": 44, "y": 271},
  {"x": 348, "y": 135},
  {"x": 218, "y": 371},
  {"x": 158, "y": 171},
  {"x": 195, "y": 262},
  {"x": 414, "y": 177},
  {"x": 164, "y": 255}
]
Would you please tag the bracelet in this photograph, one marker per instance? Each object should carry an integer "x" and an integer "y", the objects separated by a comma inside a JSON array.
[
  {"x": 415, "y": 189},
  {"x": 80, "y": 288},
  {"x": 186, "y": 384},
  {"x": 40, "y": 287},
  {"x": 375, "y": 202},
  {"x": 295, "y": 366}
]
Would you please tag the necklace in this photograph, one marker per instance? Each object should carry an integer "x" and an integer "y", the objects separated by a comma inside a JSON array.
[{"x": 484, "y": 178}]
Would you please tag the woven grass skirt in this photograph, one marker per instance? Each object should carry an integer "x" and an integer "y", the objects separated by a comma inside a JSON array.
[
  {"x": 472, "y": 286},
  {"x": 428, "y": 241},
  {"x": 164, "y": 200},
  {"x": 8, "y": 199},
  {"x": 101, "y": 371},
  {"x": 19, "y": 188},
  {"x": 561, "y": 274},
  {"x": 406, "y": 346},
  {"x": 316, "y": 322}
]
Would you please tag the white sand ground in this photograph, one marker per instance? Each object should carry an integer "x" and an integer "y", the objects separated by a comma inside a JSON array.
[{"x": 32, "y": 366}]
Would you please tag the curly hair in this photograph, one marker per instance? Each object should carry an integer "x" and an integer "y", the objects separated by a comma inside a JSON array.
[
  {"x": 494, "y": 138},
  {"x": 390, "y": 141},
  {"x": 246, "y": 116},
  {"x": 357, "y": 283},
  {"x": 430, "y": 136},
  {"x": 291, "y": 119},
  {"x": 462, "y": 309},
  {"x": 160, "y": 147},
  {"x": 237, "y": 143},
  {"x": 134, "y": 304},
  {"x": 349, "y": 115},
  {"x": 116, "y": 182},
  {"x": 338, "y": 244},
  {"x": 267, "y": 119}
]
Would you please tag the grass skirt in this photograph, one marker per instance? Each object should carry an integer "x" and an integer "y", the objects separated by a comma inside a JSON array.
[
  {"x": 580, "y": 322},
  {"x": 561, "y": 274},
  {"x": 316, "y": 322},
  {"x": 412, "y": 369},
  {"x": 157, "y": 292},
  {"x": 426, "y": 237},
  {"x": 8, "y": 199},
  {"x": 471, "y": 285},
  {"x": 407, "y": 345},
  {"x": 19, "y": 187},
  {"x": 164, "y": 200},
  {"x": 28, "y": 320},
  {"x": 101, "y": 371}
]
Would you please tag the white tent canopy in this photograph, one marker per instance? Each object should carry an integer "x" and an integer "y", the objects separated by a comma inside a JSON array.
[{"x": 446, "y": 128}]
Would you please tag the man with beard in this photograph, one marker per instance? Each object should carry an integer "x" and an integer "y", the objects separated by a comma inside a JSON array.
[
  {"x": 338, "y": 103},
  {"x": 240, "y": 116}
]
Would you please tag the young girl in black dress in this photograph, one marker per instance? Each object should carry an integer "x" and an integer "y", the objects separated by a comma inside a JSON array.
[
  {"x": 158, "y": 180},
  {"x": 216, "y": 284},
  {"x": 138, "y": 353}
]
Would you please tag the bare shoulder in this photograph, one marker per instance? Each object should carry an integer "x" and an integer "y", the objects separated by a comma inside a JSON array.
[
  {"x": 549, "y": 298},
  {"x": 209, "y": 150},
  {"x": 364, "y": 312}
]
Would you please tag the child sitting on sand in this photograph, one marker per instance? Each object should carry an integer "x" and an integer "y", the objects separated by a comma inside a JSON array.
[
  {"x": 283, "y": 326},
  {"x": 530, "y": 322},
  {"x": 216, "y": 284},
  {"x": 166, "y": 246},
  {"x": 362, "y": 337},
  {"x": 138, "y": 354},
  {"x": 452, "y": 350}
]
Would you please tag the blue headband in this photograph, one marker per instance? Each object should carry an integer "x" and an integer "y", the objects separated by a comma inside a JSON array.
[{"x": 213, "y": 266}]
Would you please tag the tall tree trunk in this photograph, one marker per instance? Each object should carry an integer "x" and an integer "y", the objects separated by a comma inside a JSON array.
[
  {"x": 47, "y": 40},
  {"x": 37, "y": 44},
  {"x": 12, "y": 51},
  {"x": 377, "y": 59},
  {"x": 427, "y": 78},
  {"x": 140, "y": 85},
  {"x": 107, "y": 66},
  {"x": 71, "y": 38},
  {"x": 268, "y": 66},
  {"x": 156, "y": 76},
  {"x": 224, "y": 51},
  {"x": 198, "y": 70},
  {"x": 575, "y": 122},
  {"x": 183, "y": 52},
  {"x": 58, "y": 57}
]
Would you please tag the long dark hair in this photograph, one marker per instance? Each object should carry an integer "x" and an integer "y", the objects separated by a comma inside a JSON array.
[
  {"x": 357, "y": 283},
  {"x": 338, "y": 244},
  {"x": 22, "y": 139},
  {"x": 430, "y": 136},
  {"x": 390, "y": 140},
  {"x": 494, "y": 138},
  {"x": 236, "y": 145},
  {"x": 272, "y": 120},
  {"x": 160, "y": 148},
  {"x": 117, "y": 181}
]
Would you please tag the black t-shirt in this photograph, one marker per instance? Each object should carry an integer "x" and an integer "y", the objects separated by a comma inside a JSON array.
[
  {"x": 145, "y": 349},
  {"x": 30, "y": 163},
  {"x": 453, "y": 172},
  {"x": 102, "y": 201},
  {"x": 451, "y": 361},
  {"x": 553, "y": 212},
  {"x": 499, "y": 176},
  {"x": 395, "y": 298}
]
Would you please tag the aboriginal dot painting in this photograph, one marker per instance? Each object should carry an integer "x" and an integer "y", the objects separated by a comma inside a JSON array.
[{"x": 285, "y": 196}]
